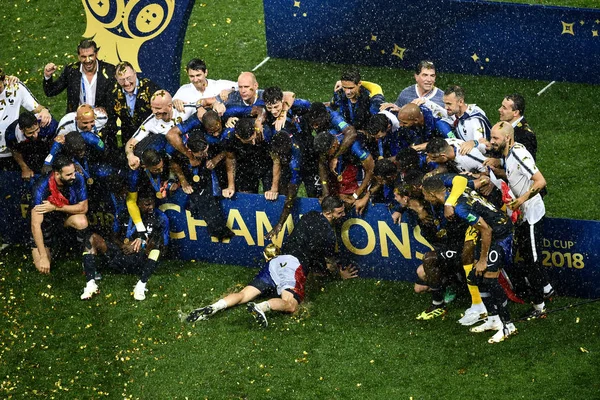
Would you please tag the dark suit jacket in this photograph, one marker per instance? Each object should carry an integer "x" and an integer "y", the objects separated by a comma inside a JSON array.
[
  {"x": 525, "y": 136},
  {"x": 130, "y": 124},
  {"x": 70, "y": 79}
]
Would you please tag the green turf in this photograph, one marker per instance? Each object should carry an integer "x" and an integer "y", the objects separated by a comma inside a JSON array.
[
  {"x": 350, "y": 340},
  {"x": 360, "y": 338}
]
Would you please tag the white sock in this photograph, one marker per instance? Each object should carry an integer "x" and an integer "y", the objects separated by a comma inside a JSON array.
[
  {"x": 264, "y": 306},
  {"x": 494, "y": 319},
  {"x": 480, "y": 308},
  {"x": 547, "y": 288},
  {"x": 91, "y": 282},
  {"x": 141, "y": 284},
  {"x": 219, "y": 305},
  {"x": 539, "y": 307}
]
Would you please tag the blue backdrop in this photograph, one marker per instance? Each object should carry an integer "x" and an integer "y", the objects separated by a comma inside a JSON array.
[
  {"x": 462, "y": 36},
  {"x": 380, "y": 248}
]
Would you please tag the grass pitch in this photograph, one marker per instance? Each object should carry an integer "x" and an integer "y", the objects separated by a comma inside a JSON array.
[{"x": 351, "y": 340}]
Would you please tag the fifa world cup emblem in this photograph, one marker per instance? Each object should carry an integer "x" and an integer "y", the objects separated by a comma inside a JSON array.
[{"x": 120, "y": 27}]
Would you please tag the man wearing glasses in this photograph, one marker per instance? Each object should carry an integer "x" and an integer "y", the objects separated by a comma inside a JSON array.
[{"x": 131, "y": 99}]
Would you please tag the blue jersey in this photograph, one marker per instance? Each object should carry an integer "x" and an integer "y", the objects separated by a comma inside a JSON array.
[
  {"x": 357, "y": 113},
  {"x": 422, "y": 134},
  {"x": 157, "y": 228},
  {"x": 235, "y": 99},
  {"x": 76, "y": 193},
  {"x": 93, "y": 142},
  {"x": 471, "y": 206}
]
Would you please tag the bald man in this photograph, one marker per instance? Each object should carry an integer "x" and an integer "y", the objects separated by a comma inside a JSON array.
[
  {"x": 525, "y": 182},
  {"x": 86, "y": 119},
  {"x": 418, "y": 126},
  {"x": 164, "y": 117}
]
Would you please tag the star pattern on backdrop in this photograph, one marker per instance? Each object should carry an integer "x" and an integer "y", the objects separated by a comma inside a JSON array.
[{"x": 567, "y": 28}]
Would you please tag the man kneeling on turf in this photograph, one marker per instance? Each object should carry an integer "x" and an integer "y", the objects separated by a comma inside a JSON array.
[
  {"x": 306, "y": 249},
  {"x": 129, "y": 251}
]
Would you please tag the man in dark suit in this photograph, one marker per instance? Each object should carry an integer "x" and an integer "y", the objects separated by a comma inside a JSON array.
[
  {"x": 88, "y": 81},
  {"x": 512, "y": 111},
  {"x": 131, "y": 99}
]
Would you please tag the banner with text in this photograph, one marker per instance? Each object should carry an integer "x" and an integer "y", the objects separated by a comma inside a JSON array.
[{"x": 382, "y": 249}]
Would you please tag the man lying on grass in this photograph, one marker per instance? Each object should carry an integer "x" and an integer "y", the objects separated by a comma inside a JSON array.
[{"x": 308, "y": 248}]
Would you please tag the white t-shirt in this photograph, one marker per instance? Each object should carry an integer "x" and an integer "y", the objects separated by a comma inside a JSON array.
[
  {"x": 152, "y": 125},
  {"x": 472, "y": 125},
  {"x": 520, "y": 167},
  {"x": 68, "y": 124},
  {"x": 87, "y": 93},
  {"x": 189, "y": 94},
  {"x": 11, "y": 100},
  {"x": 470, "y": 162}
]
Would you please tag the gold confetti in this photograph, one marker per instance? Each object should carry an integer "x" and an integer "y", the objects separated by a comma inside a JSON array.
[{"x": 583, "y": 350}]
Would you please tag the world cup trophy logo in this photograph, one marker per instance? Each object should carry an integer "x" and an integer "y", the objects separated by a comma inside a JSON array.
[{"x": 120, "y": 27}]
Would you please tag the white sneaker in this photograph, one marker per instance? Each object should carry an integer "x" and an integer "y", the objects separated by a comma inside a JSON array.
[
  {"x": 90, "y": 289},
  {"x": 491, "y": 324},
  {"x": 139, "y": 291},
  {"x": 471, "y": 317},
  {"x": 505, "y": 332}
]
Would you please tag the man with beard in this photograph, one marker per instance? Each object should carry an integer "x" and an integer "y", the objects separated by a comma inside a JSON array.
[
  {"x": 468, "y": 121},
  {"x": 525, "y": 182},
  {"x": 310, "y": 247},
  {"x": 29, "y": 142},
  {"x": 59, "y": 199},
  {"x": 88, "y": 81}
]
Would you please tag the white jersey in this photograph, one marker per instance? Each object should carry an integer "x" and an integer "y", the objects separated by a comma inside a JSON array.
[
  {"x": 190, "y": 95},
  {"x": 69, "y": 124},
  {"x": 284, "y": 271},
  {"x": 470, "y": 162},
  {"x": 11, "y": 100},
  {"x": 152, "y": 125},
  {"x": 472, "y": 125},
  {"x": 520, "y": 167}
]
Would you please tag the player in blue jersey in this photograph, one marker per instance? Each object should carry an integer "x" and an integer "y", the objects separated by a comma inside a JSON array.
[
  {"x": 347, "y": 175},
  {"x": 127, "y": 251},
  {"x": 354, "y": 101},
  {"x": 59, "y": 200},
  {"x": 29, "y": 142},
  {"x": 493, "y": 252},
  {"x": 199, "y": 182}
]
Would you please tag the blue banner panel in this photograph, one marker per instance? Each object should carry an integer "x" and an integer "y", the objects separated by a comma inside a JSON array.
[
  {"x": 147, "y": 33},
  {"x": 462, "y": 36},
  {"x": 382, "y": 249}
]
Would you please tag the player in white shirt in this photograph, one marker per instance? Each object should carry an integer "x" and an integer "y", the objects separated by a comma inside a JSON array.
[
  {"x": 200, "y": 89},
  {"x": 469, "y": 122},
  {"x": 13, "y": 96},
  {"x": 163, "y": 118},
  {"x": 445, "y": 151},
  {"x": 525, "y": 182}
]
